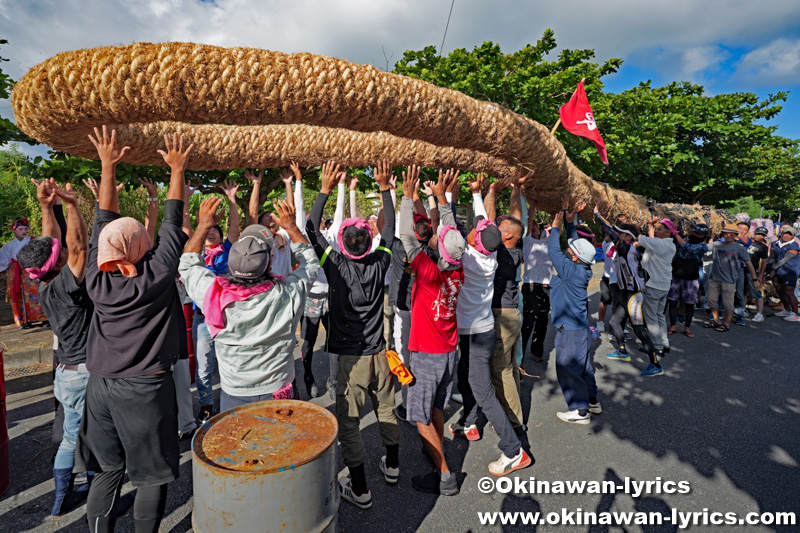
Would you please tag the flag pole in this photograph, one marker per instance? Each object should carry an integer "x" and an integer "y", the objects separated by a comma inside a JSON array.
[{"x": 558, "y": 122}]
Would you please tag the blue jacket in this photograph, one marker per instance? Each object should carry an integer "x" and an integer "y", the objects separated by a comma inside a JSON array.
[{"x": 568, "y": 296}]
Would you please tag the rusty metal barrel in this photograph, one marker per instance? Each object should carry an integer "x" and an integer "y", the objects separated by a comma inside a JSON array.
[{"x": 266, "y": 466}]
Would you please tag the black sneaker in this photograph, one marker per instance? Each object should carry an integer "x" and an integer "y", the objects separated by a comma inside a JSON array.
[
  {"x": 400, "y": 413},
  {"x": 432, "y": 483},
  {"x": 206, "y": 412}
]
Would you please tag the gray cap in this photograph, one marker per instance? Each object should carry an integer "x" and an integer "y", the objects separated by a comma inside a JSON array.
[
  {"x": 583, "y": 249},
  {"x": 454, "y": 244},
  {"x": 249, "y": 256}
]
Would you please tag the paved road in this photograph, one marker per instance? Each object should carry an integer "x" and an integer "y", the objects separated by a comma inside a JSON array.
[{"x": 725, "y": 418}]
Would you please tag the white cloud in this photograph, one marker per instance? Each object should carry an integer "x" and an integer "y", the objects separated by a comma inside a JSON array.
[
  {"x": 776, "y": 63},
  {"x": 697, "y": 60}
]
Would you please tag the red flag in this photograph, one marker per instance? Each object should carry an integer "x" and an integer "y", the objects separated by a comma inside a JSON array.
[{"x": 577, "y": 118}]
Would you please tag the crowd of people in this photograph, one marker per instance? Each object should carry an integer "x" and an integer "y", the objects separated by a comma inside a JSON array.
[{"x": 465, "y": 299}]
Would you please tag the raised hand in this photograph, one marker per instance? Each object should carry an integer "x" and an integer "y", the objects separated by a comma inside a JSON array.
[
  {"x": 107, "y": 146},
  {"x": 295, "y": 168},
  {"x": 557, "y": 218},
  {"x": 67, "y": 194},
  {"x": 229, "y": 188},
  {"x": 451, "y": 180},
  {"x": 284, "y": 214},
  {"x": 255, "y": 178},
  {"x": 393, "y": 182},
  {"x": 383, "y": 174},
  {"x": 151, "y": 186},
  {"x": 188, "y": 191},
  {"x": 209, "y": 214},
  {"x": 342, "y": 178},
  {"x": 500, "y": 184},
  {"x": 176, "y": 156},
  {"x": 45, "y": 193},
  {"x": 410, "y": 181},
  {"x": 565, "y": 202},
  {"x": 476, "y": 183},
  {"x": 330, "y": 177},
  {"x": 353, "y": 183},
  {"x": 519, "y": 180},
  {"x": 575, "y": 210},
  {"x": 92, "y": 184},
  {"x": 426, "y": 189}
]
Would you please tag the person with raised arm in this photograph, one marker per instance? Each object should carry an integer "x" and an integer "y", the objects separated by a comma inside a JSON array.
[
  {"x": 216, "y": 250},
  {"x": 355, "y": 332},
  {"x": 433, "y": 340},
  {"x": 136, "y": 334},
  {"x": 505, "y": 299},
  {"x": 281, "y": 263},
  {"x": 568, "y": 296},
  {"x": 251, "y": 314},
  {"x": 477, "y": 341},
  {"x": 535, "y": 286},
  {"x": 62, "y": 293}
]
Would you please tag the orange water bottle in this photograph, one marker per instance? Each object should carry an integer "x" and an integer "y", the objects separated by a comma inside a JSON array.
[{"x": 398, "y": 368}]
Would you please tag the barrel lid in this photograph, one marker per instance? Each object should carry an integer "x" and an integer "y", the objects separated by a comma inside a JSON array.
[{"x": 268, "y": 436}]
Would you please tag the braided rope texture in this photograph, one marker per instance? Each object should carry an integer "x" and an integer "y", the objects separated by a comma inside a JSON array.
[{"x": 245, "y": 107}]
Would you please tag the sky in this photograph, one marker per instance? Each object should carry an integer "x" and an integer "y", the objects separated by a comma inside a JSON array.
[{"x": 724, "y": 45}]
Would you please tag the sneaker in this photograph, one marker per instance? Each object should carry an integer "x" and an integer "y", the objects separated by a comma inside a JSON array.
[
  {"x": 740, "y": 322},
  {"x": 206, "y": 412},
  {"x": 432, "y": 482},
  {"x": 652, "y": 370},
  {"x": 331, "y": 386},
  {"x": 574, "y": 417},
  {"x": 504, "y": 465},
  {"x": 457, "y": 398},
  {"x": 758, "y": 318},
  {"x": 346, "y": 490},
  {"x": 595, "y": 408},
  {"x": 619, "y": 355},
  {"x": 311, "y": 386},
  {"x": 391, "y": 475},
  {"x": 783, "y": 313},
  {"x": 792, "y": 318},
  {"x": 468, "y": 432}
]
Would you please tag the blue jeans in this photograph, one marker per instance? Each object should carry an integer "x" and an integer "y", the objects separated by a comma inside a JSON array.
[
  {"x": 206, "y": 359},
  {"x": 574, "y": 370},
  {"x": 69, "y": 388}
]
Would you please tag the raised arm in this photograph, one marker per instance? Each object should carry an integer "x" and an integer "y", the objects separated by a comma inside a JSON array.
[
  {"x": 230, "y": 189},
  {"x": 383, "y": 176},
  {"x": 607, "y": 229},
  {"x": 330, "y": 175},
  {"x": 255, "y": 196},
  {"x": 110, "y": 157},
  {"x": 45, "y": 193},
  {"x": 177, "y": 158},
  {"x": 406, "y": 229},
  {"x": 572, "y": 233},
  {"x": 151, "y": 218},
  {"x": 439, "y": 189},
  {"x": 475, "y": 185},
  {"x": 433, "y": 206},
  {"x": 353, "y": 204},
  {"x": 299, "y": 204},
  {"x": 188, "y": 191},
  {"x": 531, "y": 217},
  {"x": 287, "y": 177},
  {"x": 515, "y": 208},
  {"x": 77, "y": 233},
  {"x": 491, "y": 197},
  {"x": 208, "y": 216},
  {"x": 338, "y": 215}
]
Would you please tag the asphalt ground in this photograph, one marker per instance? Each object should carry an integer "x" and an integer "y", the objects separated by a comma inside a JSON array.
[{"x": 725, "y": 419}]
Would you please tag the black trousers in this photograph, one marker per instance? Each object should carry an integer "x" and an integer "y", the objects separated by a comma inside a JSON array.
[
  {"x": 309, "y": 330},
  {"x": 535, "y": 311}
]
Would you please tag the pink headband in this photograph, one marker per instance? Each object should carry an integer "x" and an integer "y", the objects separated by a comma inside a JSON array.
[
  {"x": 482, "y": 225},
  {"x": 360, "y": 223},
  {"x": 40, "y": 272},
  {"x": 669, "y": 225},
  {"x": 442, "y": 250}
]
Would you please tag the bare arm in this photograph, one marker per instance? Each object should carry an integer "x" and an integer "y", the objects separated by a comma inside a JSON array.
[
  {"x": 491, "y": 196},
  {"x": 515, "y": 208},
  {"x": 230, "y": 189},
  {"x": 255, "y": 197},
  {"x": 286, "y": 177},
  {"x": 187, "y": 216},
  {"x": 177, "y": 158},
  {"x": 208, "y": 216},
  {"x": 406, "y": 229},
  {"x": 110, "y": 156},
  {"x": 45, "y": 192},
  {"x": 77, "y": 233},
  {"x": 151, "y": 218}
]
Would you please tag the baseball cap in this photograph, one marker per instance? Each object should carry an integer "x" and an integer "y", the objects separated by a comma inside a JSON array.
[
  {"x": 249, "y": 256},
  {"x": 761, "y": 230},
  {"x": 788, "y": 229}
]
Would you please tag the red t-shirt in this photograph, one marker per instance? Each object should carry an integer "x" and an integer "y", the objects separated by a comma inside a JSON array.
[{"x": 433, "y": 307}]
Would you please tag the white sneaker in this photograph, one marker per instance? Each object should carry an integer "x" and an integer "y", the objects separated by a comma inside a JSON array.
[
  {"x": 783, "y": 313},
  {"x": 457, "y": 398},
  {"x": 758, "y": 318},
  {"x": 504, "y": 465},
  {"x": 391, "y": 475},
  {"x": 792, "y": 318},
  {"x": 574, "y": 417},
  {"x": 346, "y": 490},
  {"x": 595, "y": 408}
]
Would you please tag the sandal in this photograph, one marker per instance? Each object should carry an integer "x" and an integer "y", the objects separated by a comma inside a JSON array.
[
  {"x": 711, "y": 324},
  {"x": 722, "y": 328},
  {"x": 689, "y": 334},
  {"x": 672, "y": 331}
]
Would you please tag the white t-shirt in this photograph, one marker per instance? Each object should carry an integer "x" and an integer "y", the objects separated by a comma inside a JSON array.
[
  {"x": 608, "y": 263},
  {"x": 10, "y": 250},
  {"x": 657, "y": 261},
  {"x": 538, "y": 267},
  {"x": 474, "y": 310}
]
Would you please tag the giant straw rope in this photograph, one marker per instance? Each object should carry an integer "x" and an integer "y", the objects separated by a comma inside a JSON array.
[{"x": 245, "y": 107}]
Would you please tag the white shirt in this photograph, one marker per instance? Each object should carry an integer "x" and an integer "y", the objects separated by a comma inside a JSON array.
[
  {"x": 608, "y": 262},
  {"x": 10, "y": 250},
  {"x": 282, "y": 257},
  {"x": 474, "y": 310},
  {"x": 538, "y": 267},
  {"x": 657, "y": 261}
]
